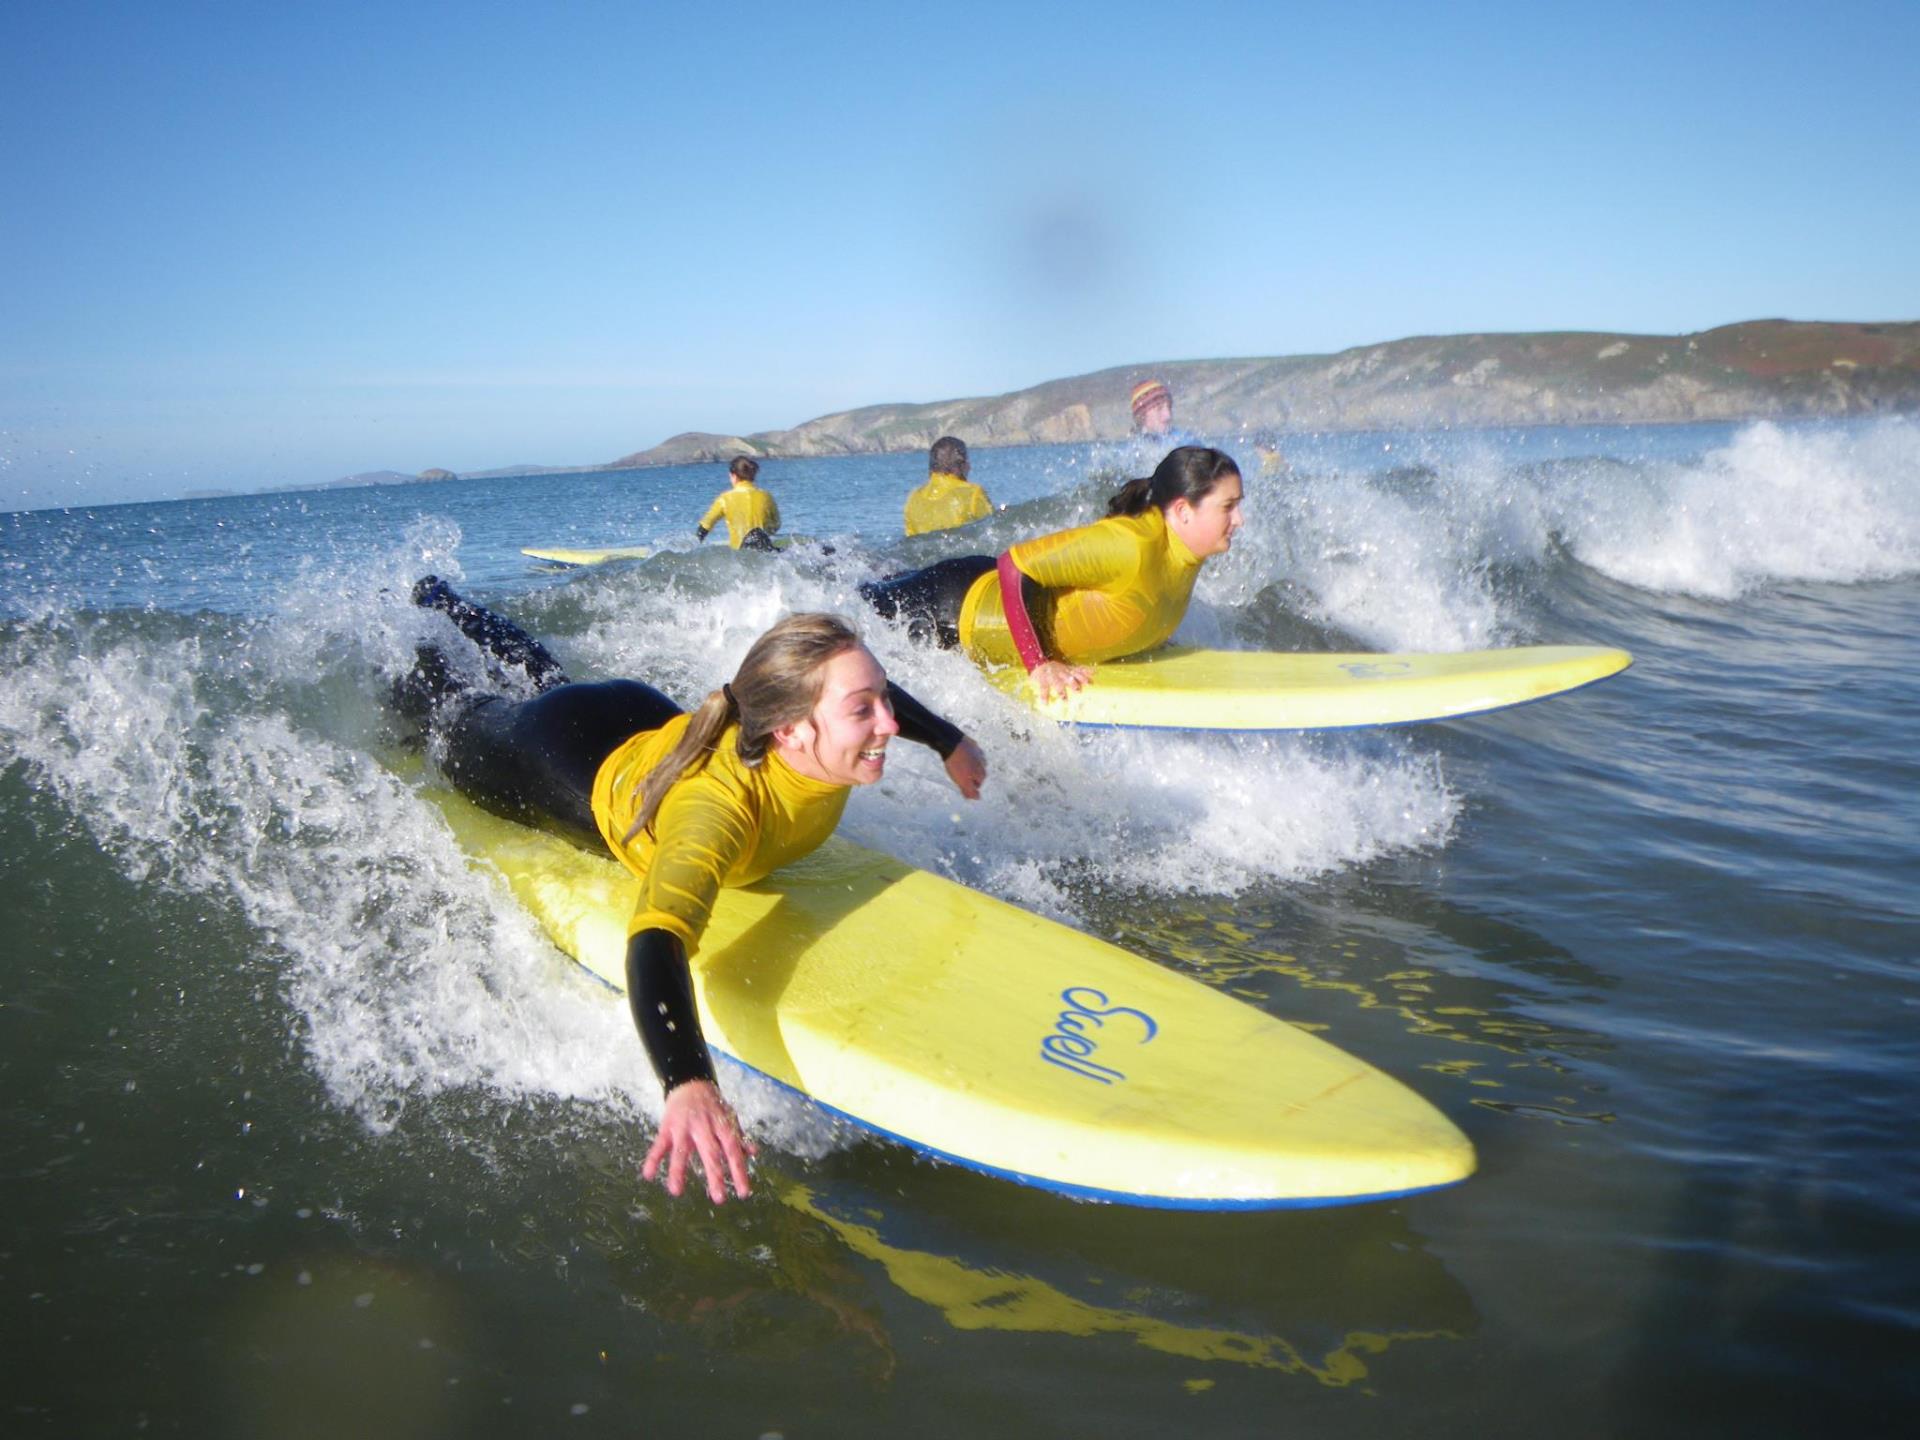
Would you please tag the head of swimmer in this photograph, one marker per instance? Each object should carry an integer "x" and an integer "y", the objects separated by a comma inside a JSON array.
[
  {"x": 822, "y": 704},
  {"x": 1198, "y": 489},
  {"x": 948, "y": 456},
  {"x": 742, "y": 469},
  {"x": 808, "y": 690},
  {"x": 1151, "y": 404}
]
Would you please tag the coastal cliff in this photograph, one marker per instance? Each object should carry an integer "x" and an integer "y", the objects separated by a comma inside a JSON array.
[{"x": 1758, "y": 369}]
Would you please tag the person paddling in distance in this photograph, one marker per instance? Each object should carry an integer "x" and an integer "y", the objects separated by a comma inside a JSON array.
[
  {"x": 1060, "y": 603},
  {"x": 1151, "y": 406},
  {"x": 752, "y": 516},
  {"x": 949, "y": 497},
  {"x": 754, "y": 778}
]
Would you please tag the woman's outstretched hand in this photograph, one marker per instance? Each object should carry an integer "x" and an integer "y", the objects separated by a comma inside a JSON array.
[
  {"x": 1056, "y": 677},
  {"x": 698, "y": 1122},
  {"x": 967, "y": 767}
]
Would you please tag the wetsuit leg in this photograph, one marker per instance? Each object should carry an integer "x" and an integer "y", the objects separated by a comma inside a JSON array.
[
  {"x": 419, "y": 694},
  {"x": 495, "y": 634},
  {"x": 535, "y": 760},
  {"x": 929, "y": 599}
]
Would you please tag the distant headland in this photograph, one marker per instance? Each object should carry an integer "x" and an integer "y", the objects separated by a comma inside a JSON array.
[{"x": 1777, "y": 369}]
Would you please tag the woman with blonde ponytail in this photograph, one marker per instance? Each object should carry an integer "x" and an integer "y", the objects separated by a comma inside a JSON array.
[
  {"x": 1059, "y": 603},
  {"x": 753, "y": 778}
]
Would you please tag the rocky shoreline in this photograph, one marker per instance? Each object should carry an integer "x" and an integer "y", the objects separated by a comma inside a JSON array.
[{"x": 1759, "y": 369}]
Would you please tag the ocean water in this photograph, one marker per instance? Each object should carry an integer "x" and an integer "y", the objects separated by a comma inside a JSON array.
[{"x": 309, "y": 1131}]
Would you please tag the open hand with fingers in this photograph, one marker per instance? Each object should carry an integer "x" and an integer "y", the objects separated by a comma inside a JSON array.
[
  {"x": 1057, "y": 678},
  {"x": 699, "y": 1124}
]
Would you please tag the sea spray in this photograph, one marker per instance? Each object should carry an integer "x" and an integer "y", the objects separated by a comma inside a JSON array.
[
  {"x": 1839, "y": 505},
  {"x": 407, "y": 974}
]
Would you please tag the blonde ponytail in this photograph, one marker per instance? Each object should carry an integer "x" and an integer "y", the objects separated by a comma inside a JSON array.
[
  {"x": 704, "y": 728},
  {"x": 777, "y": 683}
]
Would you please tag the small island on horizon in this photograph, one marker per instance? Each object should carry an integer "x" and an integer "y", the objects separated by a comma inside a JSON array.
[{"x": 1758, "y": 369}]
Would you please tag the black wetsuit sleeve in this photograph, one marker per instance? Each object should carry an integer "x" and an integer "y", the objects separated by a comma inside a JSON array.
[
  {"x": 921, "y": 725},
  {"x": 700, "y": 531},
  {"x": 660, "y": 990}
]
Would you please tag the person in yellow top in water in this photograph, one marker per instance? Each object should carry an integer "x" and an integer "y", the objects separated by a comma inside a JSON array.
[
  {"x": 1062, "y": 602},
  {"x": 752, "y": 517},
  {"x": 1273, "y": 460},
  {"x": 754, "y": 778},
  {"x": 1152, "y": 405},
  {"x": 948, "y": 498}
]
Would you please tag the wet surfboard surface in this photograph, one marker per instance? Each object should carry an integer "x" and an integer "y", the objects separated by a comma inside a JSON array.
[
  {"x": 1178, "y": 688},
  {"x": 979, "y": 1033}
]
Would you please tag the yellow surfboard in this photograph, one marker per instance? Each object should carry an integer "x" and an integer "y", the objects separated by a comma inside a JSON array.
[
  {"x": 559, "y": 555},
  {"x": 1177, "y": 688},
  {"x": 562, "y": 555},
  {"x": 979, "y": 1033}
]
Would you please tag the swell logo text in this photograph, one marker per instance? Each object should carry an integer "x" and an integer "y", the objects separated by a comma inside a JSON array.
[{"x": 1072, "y": 1043}]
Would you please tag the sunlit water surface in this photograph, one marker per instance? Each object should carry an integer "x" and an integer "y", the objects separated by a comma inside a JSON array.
[{"x": 309, "y": 1130}]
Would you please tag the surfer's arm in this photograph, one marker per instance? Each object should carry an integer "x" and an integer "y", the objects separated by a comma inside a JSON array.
[
  {"x": 1092, "y": 557},
  {"x": 702, "y": 830},
  {"x": 660, "y": 992},
  {"x": 711, "y": 518},
  {"x": 696, "y": 1119},
  {"x": 1015, "y": 604},
  {"x": 966, "y": 763},
  {"x": 1018, "y": 593}
]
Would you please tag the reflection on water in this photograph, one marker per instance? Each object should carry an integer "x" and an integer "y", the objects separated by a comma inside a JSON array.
[
  {"x": 1451, "y": 979},
  {"x": 825, "y": 1252},
  {"x": 978, "y": 1297}
]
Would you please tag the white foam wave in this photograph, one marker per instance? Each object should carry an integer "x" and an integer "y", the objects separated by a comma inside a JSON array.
[
  {"x": 1404, "y": 560},
  {"x": 1435, "y": 545},
  {"x": 409, "y": 975},
  {"x": 1836, "y": 504}
]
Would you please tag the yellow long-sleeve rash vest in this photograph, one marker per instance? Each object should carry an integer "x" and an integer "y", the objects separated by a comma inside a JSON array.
[
  {"x": 727, "y": 823},
  {"x": 945, "y": 501},
  {"x": 745, "y": 508},
  {"x": 1113, "y": 588}
]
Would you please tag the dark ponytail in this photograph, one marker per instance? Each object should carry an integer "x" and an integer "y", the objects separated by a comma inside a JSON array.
[{"x": 1188, "y": 473}]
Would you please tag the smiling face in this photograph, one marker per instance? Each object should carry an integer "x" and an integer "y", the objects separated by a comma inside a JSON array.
[
  {"x": 843, "y": 741},
  {"x": 1207, "y": 528}
]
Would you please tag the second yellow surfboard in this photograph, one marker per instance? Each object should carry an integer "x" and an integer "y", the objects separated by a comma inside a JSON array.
[{"x": 1176, "y": 688}]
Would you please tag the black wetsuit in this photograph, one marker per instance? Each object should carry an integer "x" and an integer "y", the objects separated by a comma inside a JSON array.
[{"x": 928, "y": 599}]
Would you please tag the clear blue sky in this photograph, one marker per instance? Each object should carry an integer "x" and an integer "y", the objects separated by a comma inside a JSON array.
[{"x": 251, "y": 244}]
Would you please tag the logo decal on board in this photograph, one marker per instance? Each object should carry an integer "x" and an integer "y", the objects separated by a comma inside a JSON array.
[
  {"x": 1375, "y": 669},
  {"x": 1072, "y": 1047}
]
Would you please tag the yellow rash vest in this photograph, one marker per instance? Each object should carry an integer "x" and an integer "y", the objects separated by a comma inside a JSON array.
[
  {"x": 1113, "y": 588},
  {"x": 745, "y": 508},
  {"x": 726, "y": 823},
  {"x": 944, "y": 502}
]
